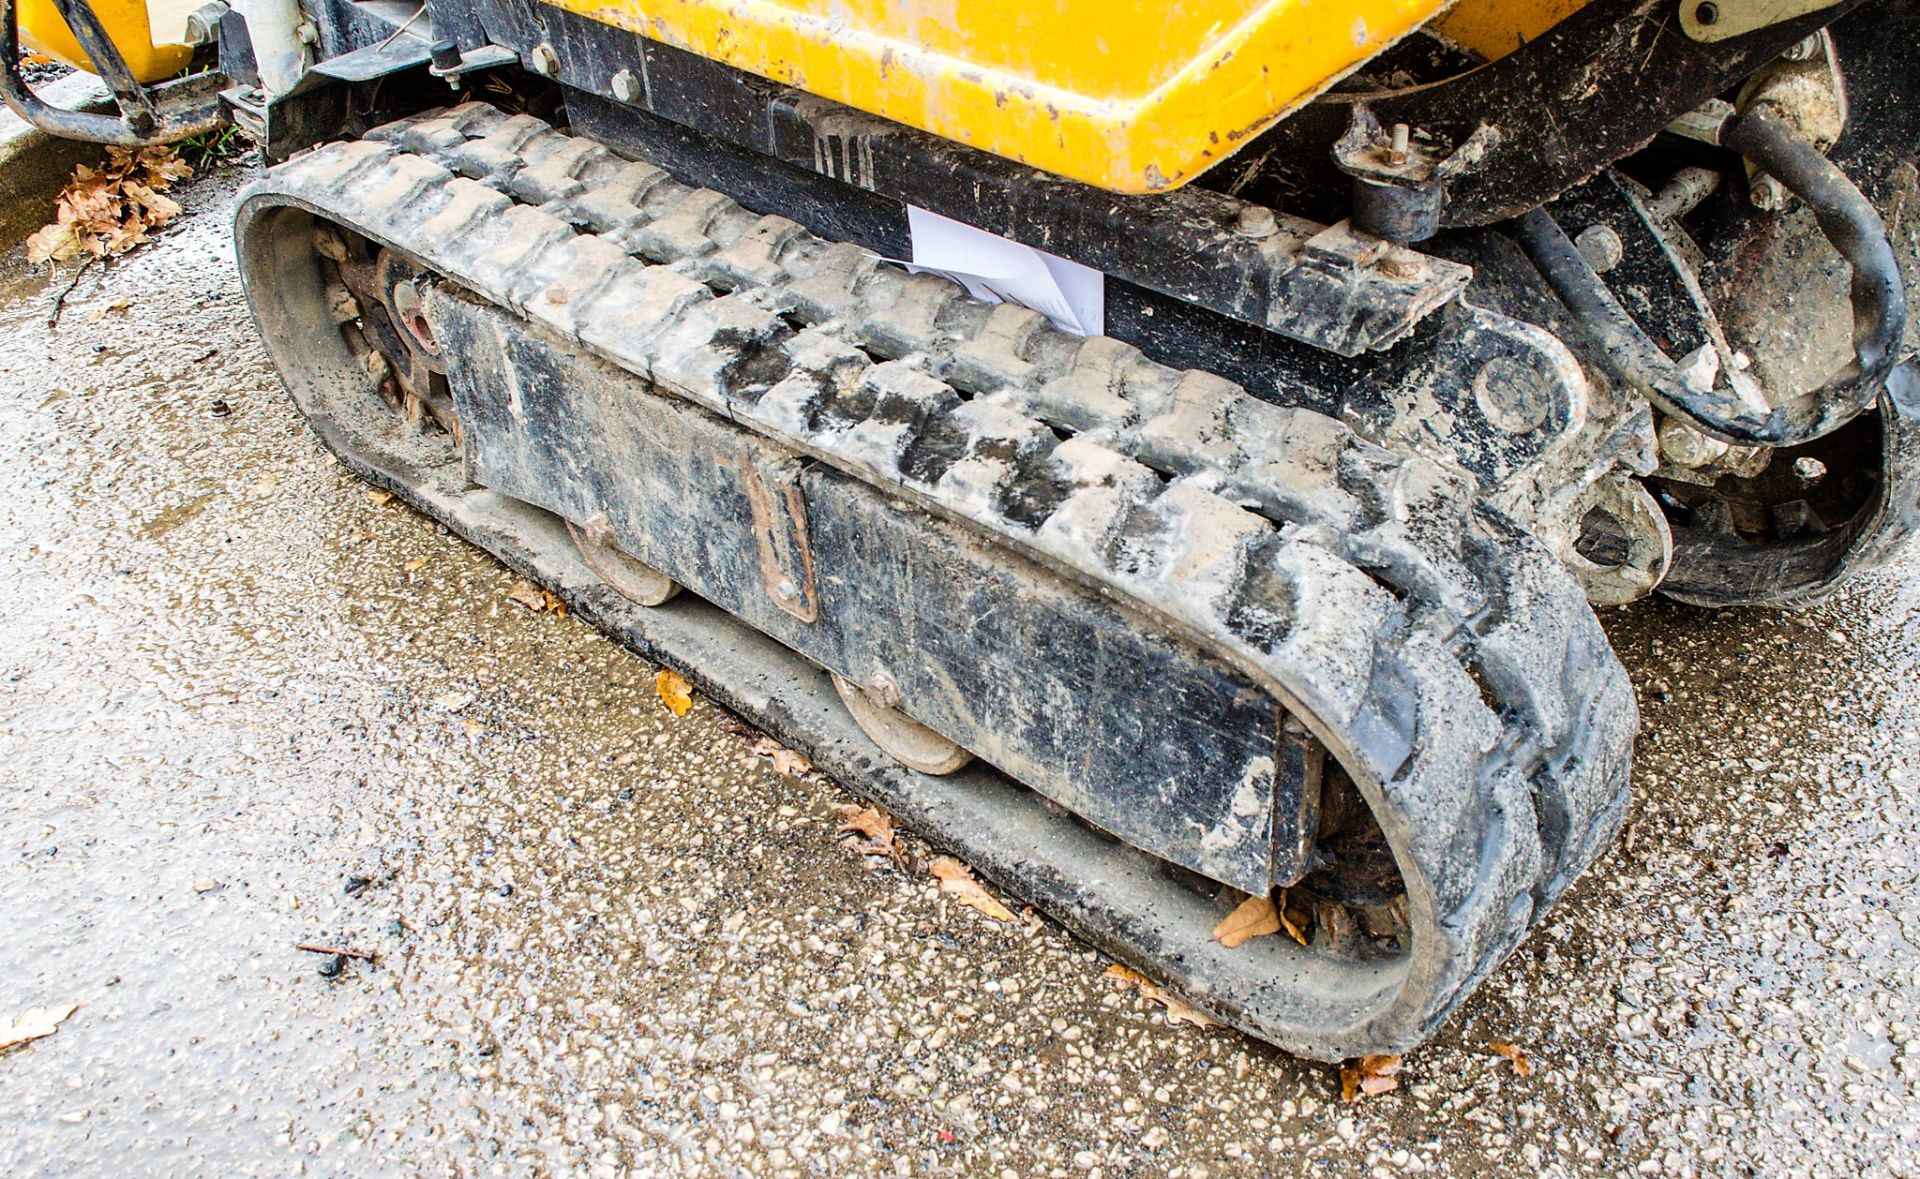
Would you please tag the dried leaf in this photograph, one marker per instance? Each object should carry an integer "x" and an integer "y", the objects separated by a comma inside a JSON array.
[
  {"x": 956, "y": 878},
  {"x": 785, "y": 761},
  {"x": 113, "y": 308},
  {"x": 453, "y": 701},
  {"x": 34, "y": 1023},
  {"x": 1293, "y": 919},
  {"x": 875, "y": 824},
  {"x": 1255, "y": 917},
  {"x": 107, "y": 211},
  {"x": 674, "y": 691},
  {"x": 415, "y": 565},
  {"x": 730, "y": 723},
  {"x": 380, "y": 497},
  {"x": 54, "y": 243},
  {"x": 1177, "y": 1010},
  {"x": 1370, "y": 1076},
  {"x": 206, "y": 884},
  {"x": 524, "y": 593},
  {"x": 1522, "y": 1067}
]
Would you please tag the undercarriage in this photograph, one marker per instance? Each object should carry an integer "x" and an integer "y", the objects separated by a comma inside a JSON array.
[{"x": 1278, "y": 580}]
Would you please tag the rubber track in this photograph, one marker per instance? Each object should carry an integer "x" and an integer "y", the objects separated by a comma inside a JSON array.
[{"x": 1447, "y": 659}]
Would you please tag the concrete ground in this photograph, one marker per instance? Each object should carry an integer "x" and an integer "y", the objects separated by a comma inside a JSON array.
[{"x": 243, "y": 706}]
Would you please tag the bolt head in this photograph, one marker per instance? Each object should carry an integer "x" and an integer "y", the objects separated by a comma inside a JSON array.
[
  {"x": 544, "y": 61},
  {"x": 1805, "y": 49},
  {"x": 1256, "y": 221},
  {"x": 626, "y": 87},
  {"x": 1684, "y": 446},
  {"x": 1767, "y": 194},
  {"x": 1808, "y": 469},
  {"x": 1601, "y": 246},
  {"x": 883, "y": 690}
]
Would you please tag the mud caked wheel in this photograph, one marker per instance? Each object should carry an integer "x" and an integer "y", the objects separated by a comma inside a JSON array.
[
  {"x": 898, "y": 735},
  {"x": 634, "y": 580}
]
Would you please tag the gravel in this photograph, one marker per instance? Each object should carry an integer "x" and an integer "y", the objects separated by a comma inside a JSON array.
[{"x": 610, "y": 940}]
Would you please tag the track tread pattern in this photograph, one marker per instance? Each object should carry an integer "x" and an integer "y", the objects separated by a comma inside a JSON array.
[{"x": 1450, "y": 655}]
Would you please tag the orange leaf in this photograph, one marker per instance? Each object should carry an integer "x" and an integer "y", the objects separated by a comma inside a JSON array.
[
  {"x": 1177, "y": 1010},
  {"x": 1255, "y": 917},
  {"x": 1294, "y": 921},
  {"x": 674, "y": 691},
  {"x": 956, "y": 878},
  {"x": 1369, "y": 1077},
  {"x": 1522, "y": 1067},
  {"x": 785, "y": 761},
  {"x": 872, "y": 822}
]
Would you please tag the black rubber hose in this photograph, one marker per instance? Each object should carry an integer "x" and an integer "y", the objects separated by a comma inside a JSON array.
[{"x": 1851, "y": 225}]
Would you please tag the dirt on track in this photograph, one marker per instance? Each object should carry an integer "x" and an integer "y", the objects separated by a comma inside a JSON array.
[{"x": 243, "y": 706}]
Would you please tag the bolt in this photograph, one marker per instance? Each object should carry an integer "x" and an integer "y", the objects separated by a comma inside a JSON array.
[
  {"x": 307, "y": 33},
  {"x": 626, "y": 87},
  {"x": 1707, "y": 13},
  {"x": 883, "y": 690},
  {"x": 1805, "y": 49},
  {"x": 1601, "y": 246},
  {"x": 1256, "y": 221},
  {"x": 1397, "y": 148},
  {"x": 1808, "y": 469},
  {"x": 1767, "y": 194},
  {"x": 1404, "y": 265},
  {"x": 446, "y": 56},
  {"x": 544, "y": 60},
  {"x": 1684, "y": 446}
]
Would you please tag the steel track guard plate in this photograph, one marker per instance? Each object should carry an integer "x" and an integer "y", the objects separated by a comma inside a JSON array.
[{"x": 1141, "y": 736}]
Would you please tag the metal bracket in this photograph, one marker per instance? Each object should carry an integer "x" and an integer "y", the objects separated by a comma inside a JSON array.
[
  {"x": 780, "y": 534},
  {"x": 149, "y": 115},
  {"x": 1720, "y": 20}
]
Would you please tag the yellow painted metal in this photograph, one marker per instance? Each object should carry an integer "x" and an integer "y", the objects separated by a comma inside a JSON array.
[
  {"x": 149, "y": 36},
  {"x": 1495, "y": 28},
  {"x": 1131, "y": 95}
]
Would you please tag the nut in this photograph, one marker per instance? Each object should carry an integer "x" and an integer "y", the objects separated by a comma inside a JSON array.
[
  {"x": 1405, "y": 265},
  {"x": 544, "y": 60},
  {"x": 1601, "y": 246},
  {"x": 1684, "y": 446},
  {"x": 1808, "y": 469}
]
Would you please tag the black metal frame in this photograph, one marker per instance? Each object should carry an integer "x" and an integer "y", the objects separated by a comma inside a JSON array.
[{"x": 164, "y": 113}]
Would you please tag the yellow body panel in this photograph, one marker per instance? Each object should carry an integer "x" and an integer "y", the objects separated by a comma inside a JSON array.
[
  {"x": 1495, "y": 28},
  {"x": 1131, "y": 95},
  {"x": 149, "y": 43}
]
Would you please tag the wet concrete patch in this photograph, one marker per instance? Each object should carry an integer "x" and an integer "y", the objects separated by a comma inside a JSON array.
[{"x": 606, "y": 939}]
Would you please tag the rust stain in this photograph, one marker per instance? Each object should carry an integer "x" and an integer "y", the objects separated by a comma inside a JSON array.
[{"x": 780, "y": 536}]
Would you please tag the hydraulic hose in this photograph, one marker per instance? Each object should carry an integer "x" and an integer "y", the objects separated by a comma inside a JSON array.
[{"x": 1850, "y": 223}]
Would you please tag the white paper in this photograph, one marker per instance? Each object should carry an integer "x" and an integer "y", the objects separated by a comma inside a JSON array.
[{"x": 1073, "y": 296}]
